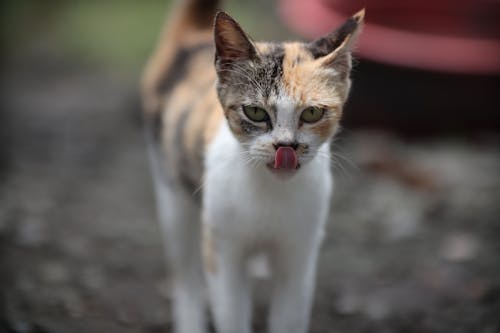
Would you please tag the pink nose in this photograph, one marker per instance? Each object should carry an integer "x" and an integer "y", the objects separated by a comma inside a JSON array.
[{"x": 285, "y": 158}]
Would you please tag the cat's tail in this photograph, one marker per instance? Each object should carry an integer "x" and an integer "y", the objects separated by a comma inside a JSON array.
[
  {"x": 197, "y": 14},
  {"x": 189, "y": 21}
]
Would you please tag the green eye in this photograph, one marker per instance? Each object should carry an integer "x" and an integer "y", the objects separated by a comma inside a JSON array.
[
  {"x": 312, "y": 114},
  {"x": 255, "y": 113}
]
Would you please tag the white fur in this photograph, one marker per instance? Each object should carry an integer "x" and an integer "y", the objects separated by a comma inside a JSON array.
[
  {"x": 249, "y": 211},
  {"x": 179, "y": 217}
]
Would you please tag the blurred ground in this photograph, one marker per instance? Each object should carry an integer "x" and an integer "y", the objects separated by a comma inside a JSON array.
[{"x": 412, "y": 245}]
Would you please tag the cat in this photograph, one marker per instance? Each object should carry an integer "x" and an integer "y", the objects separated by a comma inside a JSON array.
[{"x": 239, "y": 139}]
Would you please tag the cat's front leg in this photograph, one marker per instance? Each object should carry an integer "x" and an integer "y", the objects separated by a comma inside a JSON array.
[
  {"x": 293, "y": 287},
  {"x": 229, "y": 284},
  {"x": 180, "y": 223}
]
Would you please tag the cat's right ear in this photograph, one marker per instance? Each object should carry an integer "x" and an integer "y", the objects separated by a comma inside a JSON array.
[{"x": 231, "y": 42}]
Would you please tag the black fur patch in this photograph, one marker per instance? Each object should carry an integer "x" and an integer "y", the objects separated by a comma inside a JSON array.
[
  {"x": 179, "y": 67},
  {"x": 154, "y": 125},
  {"x": 182, "y": 161},
  {"x": 329, "y": 43}
]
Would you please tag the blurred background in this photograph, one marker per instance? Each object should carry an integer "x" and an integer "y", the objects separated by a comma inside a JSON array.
[{"x": 414, "y": 241}]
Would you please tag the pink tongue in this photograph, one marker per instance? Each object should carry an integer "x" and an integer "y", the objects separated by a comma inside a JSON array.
[{"x": 285, "y": 158}]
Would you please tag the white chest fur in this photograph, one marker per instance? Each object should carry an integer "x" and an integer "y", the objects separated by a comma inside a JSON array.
[{"x": 252, "y": 204}]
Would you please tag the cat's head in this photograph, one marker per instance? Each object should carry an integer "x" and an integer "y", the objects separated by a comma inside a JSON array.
[{"x": 282, "y": 101}]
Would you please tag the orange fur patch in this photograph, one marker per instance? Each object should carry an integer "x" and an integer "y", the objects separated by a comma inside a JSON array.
[
  {"x": 305, "y": 80},
  {"x": 191, "y": 116}
]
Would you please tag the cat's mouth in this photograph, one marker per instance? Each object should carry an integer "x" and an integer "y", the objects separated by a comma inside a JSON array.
[{"x": 285, "y": 161}]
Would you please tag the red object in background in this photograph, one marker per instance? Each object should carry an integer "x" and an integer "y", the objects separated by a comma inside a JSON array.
[{"x": 460, "y": 36}]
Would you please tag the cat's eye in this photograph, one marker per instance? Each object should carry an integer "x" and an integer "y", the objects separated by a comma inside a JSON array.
[
  {"x": 312, "y": 114},
  {"x": 255, "y": 113}
]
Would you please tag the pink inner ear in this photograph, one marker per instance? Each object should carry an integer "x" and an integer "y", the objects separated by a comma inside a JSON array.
[{"x": 285, "y": 158}]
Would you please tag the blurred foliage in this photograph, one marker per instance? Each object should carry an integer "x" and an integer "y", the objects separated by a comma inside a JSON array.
[{"x": 115, "y": 34}]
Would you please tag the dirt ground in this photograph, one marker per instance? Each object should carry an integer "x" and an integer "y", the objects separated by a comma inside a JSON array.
[{"x": 412, "y": 245}]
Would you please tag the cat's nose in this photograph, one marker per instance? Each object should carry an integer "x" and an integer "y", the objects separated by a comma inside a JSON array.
[{"x": 294, "y": 144}]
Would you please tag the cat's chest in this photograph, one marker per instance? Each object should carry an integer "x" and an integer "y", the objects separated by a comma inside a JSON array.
[{"x": 251, "y": 200}]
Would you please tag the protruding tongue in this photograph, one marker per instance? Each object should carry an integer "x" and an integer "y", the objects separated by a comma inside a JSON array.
[{"x": 285, "y": 158}]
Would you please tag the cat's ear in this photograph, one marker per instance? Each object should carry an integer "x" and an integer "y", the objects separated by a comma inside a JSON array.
[
  {"x": 334, "y": 48},
  {"x": 231, "y": 42}
]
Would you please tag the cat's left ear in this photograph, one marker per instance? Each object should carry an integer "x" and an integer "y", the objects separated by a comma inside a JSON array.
[
  {"x": 231, "y": 42},
  {"x": 334, "y": 48}
]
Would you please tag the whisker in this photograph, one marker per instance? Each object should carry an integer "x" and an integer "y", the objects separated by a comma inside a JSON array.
[{"x": 338, "y": 162}]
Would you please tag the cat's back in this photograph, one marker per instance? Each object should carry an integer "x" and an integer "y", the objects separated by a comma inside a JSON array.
[
  {"x": 180, "y": 102},
  {"x": 190, "y": 114}
]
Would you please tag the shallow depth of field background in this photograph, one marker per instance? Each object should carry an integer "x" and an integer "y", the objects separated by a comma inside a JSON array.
[{"x": 413, "y": 241}]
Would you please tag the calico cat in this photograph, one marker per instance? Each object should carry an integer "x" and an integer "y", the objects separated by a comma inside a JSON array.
[{"x": 240, "y": 147}]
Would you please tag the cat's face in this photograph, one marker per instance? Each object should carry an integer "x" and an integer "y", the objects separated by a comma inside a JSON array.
[{"x": 282, "y": 101}]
